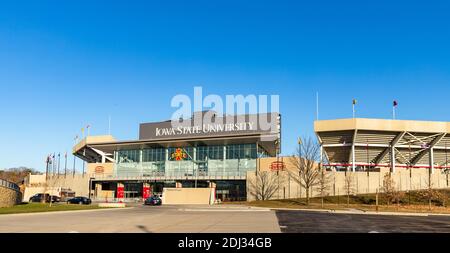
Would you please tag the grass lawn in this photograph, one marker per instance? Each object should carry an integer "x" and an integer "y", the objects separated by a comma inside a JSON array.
[
  {"x": 410, "y": 202},
  {"x": 39, "y": 207}
]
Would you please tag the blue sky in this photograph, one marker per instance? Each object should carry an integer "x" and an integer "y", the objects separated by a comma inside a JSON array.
[{"x": 64, "y": 65}]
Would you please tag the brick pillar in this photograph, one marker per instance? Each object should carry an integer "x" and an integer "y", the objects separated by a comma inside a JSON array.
[
  {"x": 98, "y": 190},
  {"x": 213, "y": 187}
]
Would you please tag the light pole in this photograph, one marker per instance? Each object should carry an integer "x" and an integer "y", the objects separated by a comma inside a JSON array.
[
  {"x": 299, "y": 141},
  {"x": 74, "y": 161}
]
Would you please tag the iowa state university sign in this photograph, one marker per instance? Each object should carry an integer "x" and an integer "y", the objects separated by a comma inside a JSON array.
[{"x": 221, "y": 127}]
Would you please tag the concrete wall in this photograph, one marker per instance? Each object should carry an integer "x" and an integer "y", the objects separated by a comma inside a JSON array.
[
  {"x": 362, "y": 182},
  {"x": 194, "y": 196},
  {"x": 38, "y": 184},
  {"x": 9, "y": 197}
]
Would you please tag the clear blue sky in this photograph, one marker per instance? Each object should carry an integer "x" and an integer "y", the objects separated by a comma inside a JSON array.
[{"x": 64, "y": 65}]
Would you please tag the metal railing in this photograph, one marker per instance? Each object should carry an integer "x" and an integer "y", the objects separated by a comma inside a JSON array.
[
  {"x": 227, "y": 175},
  {"x": 9, "y": 185}
]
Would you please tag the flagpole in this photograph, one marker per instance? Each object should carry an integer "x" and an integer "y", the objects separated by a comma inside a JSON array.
[
  {"x": 47, "y": 166},
  {"x": 353, "y": 107},
  {"x": 394, "y": 106},
  {"x": 74, "y": 157},
  {"x": 65, "y": 164},
  {"x": 84, "y": 155},
  {"x": 59, "y": 162},
  {"x": 74, "y": 160},
  {"x": 54, "y": 164}
]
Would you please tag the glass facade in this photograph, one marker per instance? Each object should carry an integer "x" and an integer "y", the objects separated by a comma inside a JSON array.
[{"x": 203, "y": 161}]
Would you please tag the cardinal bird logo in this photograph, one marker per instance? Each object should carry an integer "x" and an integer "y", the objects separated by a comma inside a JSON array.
[{"x": 179, "y": 155}]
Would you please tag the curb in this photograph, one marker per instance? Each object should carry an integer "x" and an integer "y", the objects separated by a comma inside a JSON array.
[
  {"x": 361, "y": 212},
  {"x": 59, "y": 212}
]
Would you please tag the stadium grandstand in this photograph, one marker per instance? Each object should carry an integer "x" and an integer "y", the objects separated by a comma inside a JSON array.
[{"x": 370, "y": 144}]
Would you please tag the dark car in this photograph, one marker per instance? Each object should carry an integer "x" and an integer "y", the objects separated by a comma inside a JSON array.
[
  {"x": 38, "y": 198},
  {"x": 56, "y": 199},
  {"x": 153, "y": 201},
  {"x": 80, "y": 201}
]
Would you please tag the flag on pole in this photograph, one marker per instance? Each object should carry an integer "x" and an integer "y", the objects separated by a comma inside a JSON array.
[
  {"x": 354, "y": 102},
  {"x": 394, "y": 105},
  {"x": 53, "y": 163},
  {"x": 49, "y": 157}
]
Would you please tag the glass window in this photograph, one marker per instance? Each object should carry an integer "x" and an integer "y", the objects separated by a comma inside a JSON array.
[
  {"x": 212, "y": 152},
  {"x": 241, "y": 151},
  {"x": 128, "y": 156},
  {"x": 154, "y": 155}
]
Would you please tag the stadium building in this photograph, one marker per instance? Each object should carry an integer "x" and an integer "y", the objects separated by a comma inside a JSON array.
[
  {"x": 372, "y": 144},
  {"x": 220, "y": 157},
  {"x": 216, "y": 153}
]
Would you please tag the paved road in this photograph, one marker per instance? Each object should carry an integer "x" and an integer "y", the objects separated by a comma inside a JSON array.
[
  {"x": 147, "y": 219},
  {"x": 316, "y": 222},
  {"x": 217, "y": 219}
]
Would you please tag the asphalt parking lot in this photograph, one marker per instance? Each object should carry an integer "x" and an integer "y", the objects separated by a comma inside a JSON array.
[
  {"x": 146, "y": 219},
  {"x": 317, "y": 222},
  {"x": 216, "y": 219}
]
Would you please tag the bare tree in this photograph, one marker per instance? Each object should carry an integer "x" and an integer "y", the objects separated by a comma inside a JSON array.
[
  {"x": 324, "y": 184},
  {"x": 349, "y": 185},
  {"x": 264, "y": 185},
  {"x": 430, "y": 194},
  {"x": 390, "y": 191},
  {"x": 305, "y": 161}
]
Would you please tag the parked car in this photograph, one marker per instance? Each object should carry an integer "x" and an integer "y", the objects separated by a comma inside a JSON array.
[
  {"x": 56, "y": 199},
  {"x": 80, "y": 201},
  {"x": 38, "y": 198},
  {"x": 153, "y": 201}
]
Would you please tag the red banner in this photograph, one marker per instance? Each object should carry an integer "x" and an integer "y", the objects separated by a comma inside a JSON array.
[
  {"x": 120, "y": 191},
  {"x": 146, "y": 193}
]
